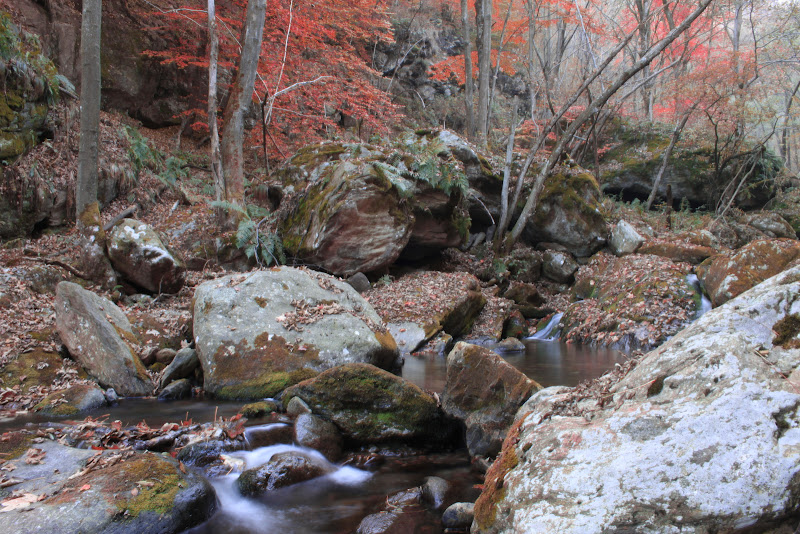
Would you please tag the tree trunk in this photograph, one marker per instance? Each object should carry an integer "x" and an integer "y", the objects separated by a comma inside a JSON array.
[
  {"x": 213, "y": 56},
  {"x": 483, "y": 16},
  {"x": 676, "y": 134},
  {"x": 94, "y": 262},
  {"x": 469, "y": 95},
  {"x": 558, "y": 150},
  {"x": 240, "y": 98},
  {"x": 86, "y": 187},
  {"x": 505, "y": 209}
]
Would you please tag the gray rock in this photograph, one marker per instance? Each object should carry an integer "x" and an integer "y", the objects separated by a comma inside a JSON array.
[
  {"x": 360, "y": 282},
  {"x": 269, "y": 434},
  {"x": 297, "y": 407},
  {"x": 511, "y": 344},
  {"x": 702, "y": 436},
  {"x": 137, "y": 252},
  {"x": 111, "y": 396},
  {"x": 165, "y": 356},
  {"x": 99, "y": 337},
  {"x": 434, "y": 492},
  {"x": 78, "y": 398},
  {"x": 258, "y": 332},
  {"x": 179, "y": 389},
  {"x": 318, "y": 434},
  {"x": 458, "y": 515},
  {"x": 558, "y": 266},
  {"x": 182, "y": 366},
  {"x": 625, "y": 239}
]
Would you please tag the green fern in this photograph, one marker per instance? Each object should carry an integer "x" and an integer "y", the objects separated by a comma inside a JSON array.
[{"x": 263, "y": 245}]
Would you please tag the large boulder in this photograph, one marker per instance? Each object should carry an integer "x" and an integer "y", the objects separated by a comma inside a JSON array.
[
  {"x": 568, "y": 214},
  {"x": 484, "y": 392},
  {"x": 139, "y": 254},
  {"x": 351, "y": 219},
  {"x": 418, "y": 306},
  {"x": 702, "y": 436},
  {"x": 106, "y": 492},
  {"x": 99, "y": 337},
  {"x": 728, "y": 275},
  {"x": 370, "y": 405},
  {"x": 259, "y": 332}
]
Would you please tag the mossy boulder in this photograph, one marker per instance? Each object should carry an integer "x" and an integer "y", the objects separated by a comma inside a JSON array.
[
  {"x": 568, "y": 214},
  {"x": 137, "y": 252},
  {"x": 143, "y": 492},
  {"x": 484, "y": 392},
  {"x": 370, "y": 405},
  {"x": 38, "y": 368},
  {"x": 352, "y": 219},
  {"x": 727, "y": 275},
  {"x": 99, "y": 337},
  {"x": 260, "y": 332}
]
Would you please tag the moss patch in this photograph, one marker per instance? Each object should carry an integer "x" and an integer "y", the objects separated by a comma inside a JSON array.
[
  {"x": 38, "y": 367},
  {"x": 258, "y": 409},
  {"x": 787, "y": 331},
  {"x": 14, "y": 444},
  {"x": 266, "y": 385}
]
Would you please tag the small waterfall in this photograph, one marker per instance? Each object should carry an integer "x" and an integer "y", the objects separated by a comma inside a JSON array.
[
  {"x": 551, "y": 331},
  {"x": 705, "y": 304}
]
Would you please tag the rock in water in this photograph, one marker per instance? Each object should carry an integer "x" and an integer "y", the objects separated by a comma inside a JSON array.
[
  {"x": 370, "y": 405},
  {"x": 484, "y": 391},
  {"x": 136, "y": 251},
  {"x": 702, "y": 436},
  {"x": 283, "y": 469},
  {"x": 98, "y": 335},
  {"x": 259, "y": 332}
]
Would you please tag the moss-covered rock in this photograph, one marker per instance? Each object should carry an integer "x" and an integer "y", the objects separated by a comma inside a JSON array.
[
  {"x": 72, "y": 401},
  {"x": 730, "y": 274},
  {"x": 261, "y": 332},
  {"x": 38, "y": 368},
  {"x": 370, "y": 405},
  {"x": 132, "y": 492},
  {"x": 283, "y": 469},
  {"x": 568, "y": 214}
]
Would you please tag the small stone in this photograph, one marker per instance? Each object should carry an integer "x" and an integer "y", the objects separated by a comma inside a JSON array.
[
  {"x": 318, "y": 434},
  {"x": 296, "y": 407},
  {"x": 180, "y": 389},
  {"x": 360, "y": 282},
  {"x": 165, "y": 356},
  {"x": 511, "y": 344},
  {"x": 111, "y": 396},
  {"x": 434, "y": 492},
  {"x": 458, "y": 515}
]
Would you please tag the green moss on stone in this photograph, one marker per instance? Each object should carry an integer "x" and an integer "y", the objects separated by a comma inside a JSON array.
[{"x": 158, "y": 498}]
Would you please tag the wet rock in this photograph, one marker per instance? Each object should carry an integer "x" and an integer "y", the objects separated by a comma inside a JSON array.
[
  {"x": 483, "y": 391},
  {"x": 516, "y": 325},
  {"x": 403, "y": 514},
  {"x": 434, "y": 492},
  {"x": 458, "y": 515},
  {"x": 182, "y": 365},
  {"x": 137, "y": 252},
  {"x": 318, "y": 434},
  {"x": 144, "y": 493},
  {"x": 111, "y": 396},
  {"x": 558, "y": 266},
  {"x": 283, "y": 469},
  {"x": 179, "y": 389},
  {"x": 207, "y": 452},
  {"x": 72, "y": 401},
  {"x": 257, "y": 333},
  {"x": 625, "y": 239},
  {"x": 568, "y": 214},
  {"x": 727, "y": 275},
  {"x": 709, "y": 409},
  {"x": 511, "y": 344},
  {"x": 360, "y": 282},
  {"x": 269, "y": 434},
  {"x": 370, "y": 405},
  {"x": 98, "y": 335}
]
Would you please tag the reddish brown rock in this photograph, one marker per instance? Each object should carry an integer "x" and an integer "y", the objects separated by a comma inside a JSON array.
[
  {"x": 677, "y": 251},
  {"x": 728, "y": 275},
  {"x": 484, "y": 391}
]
